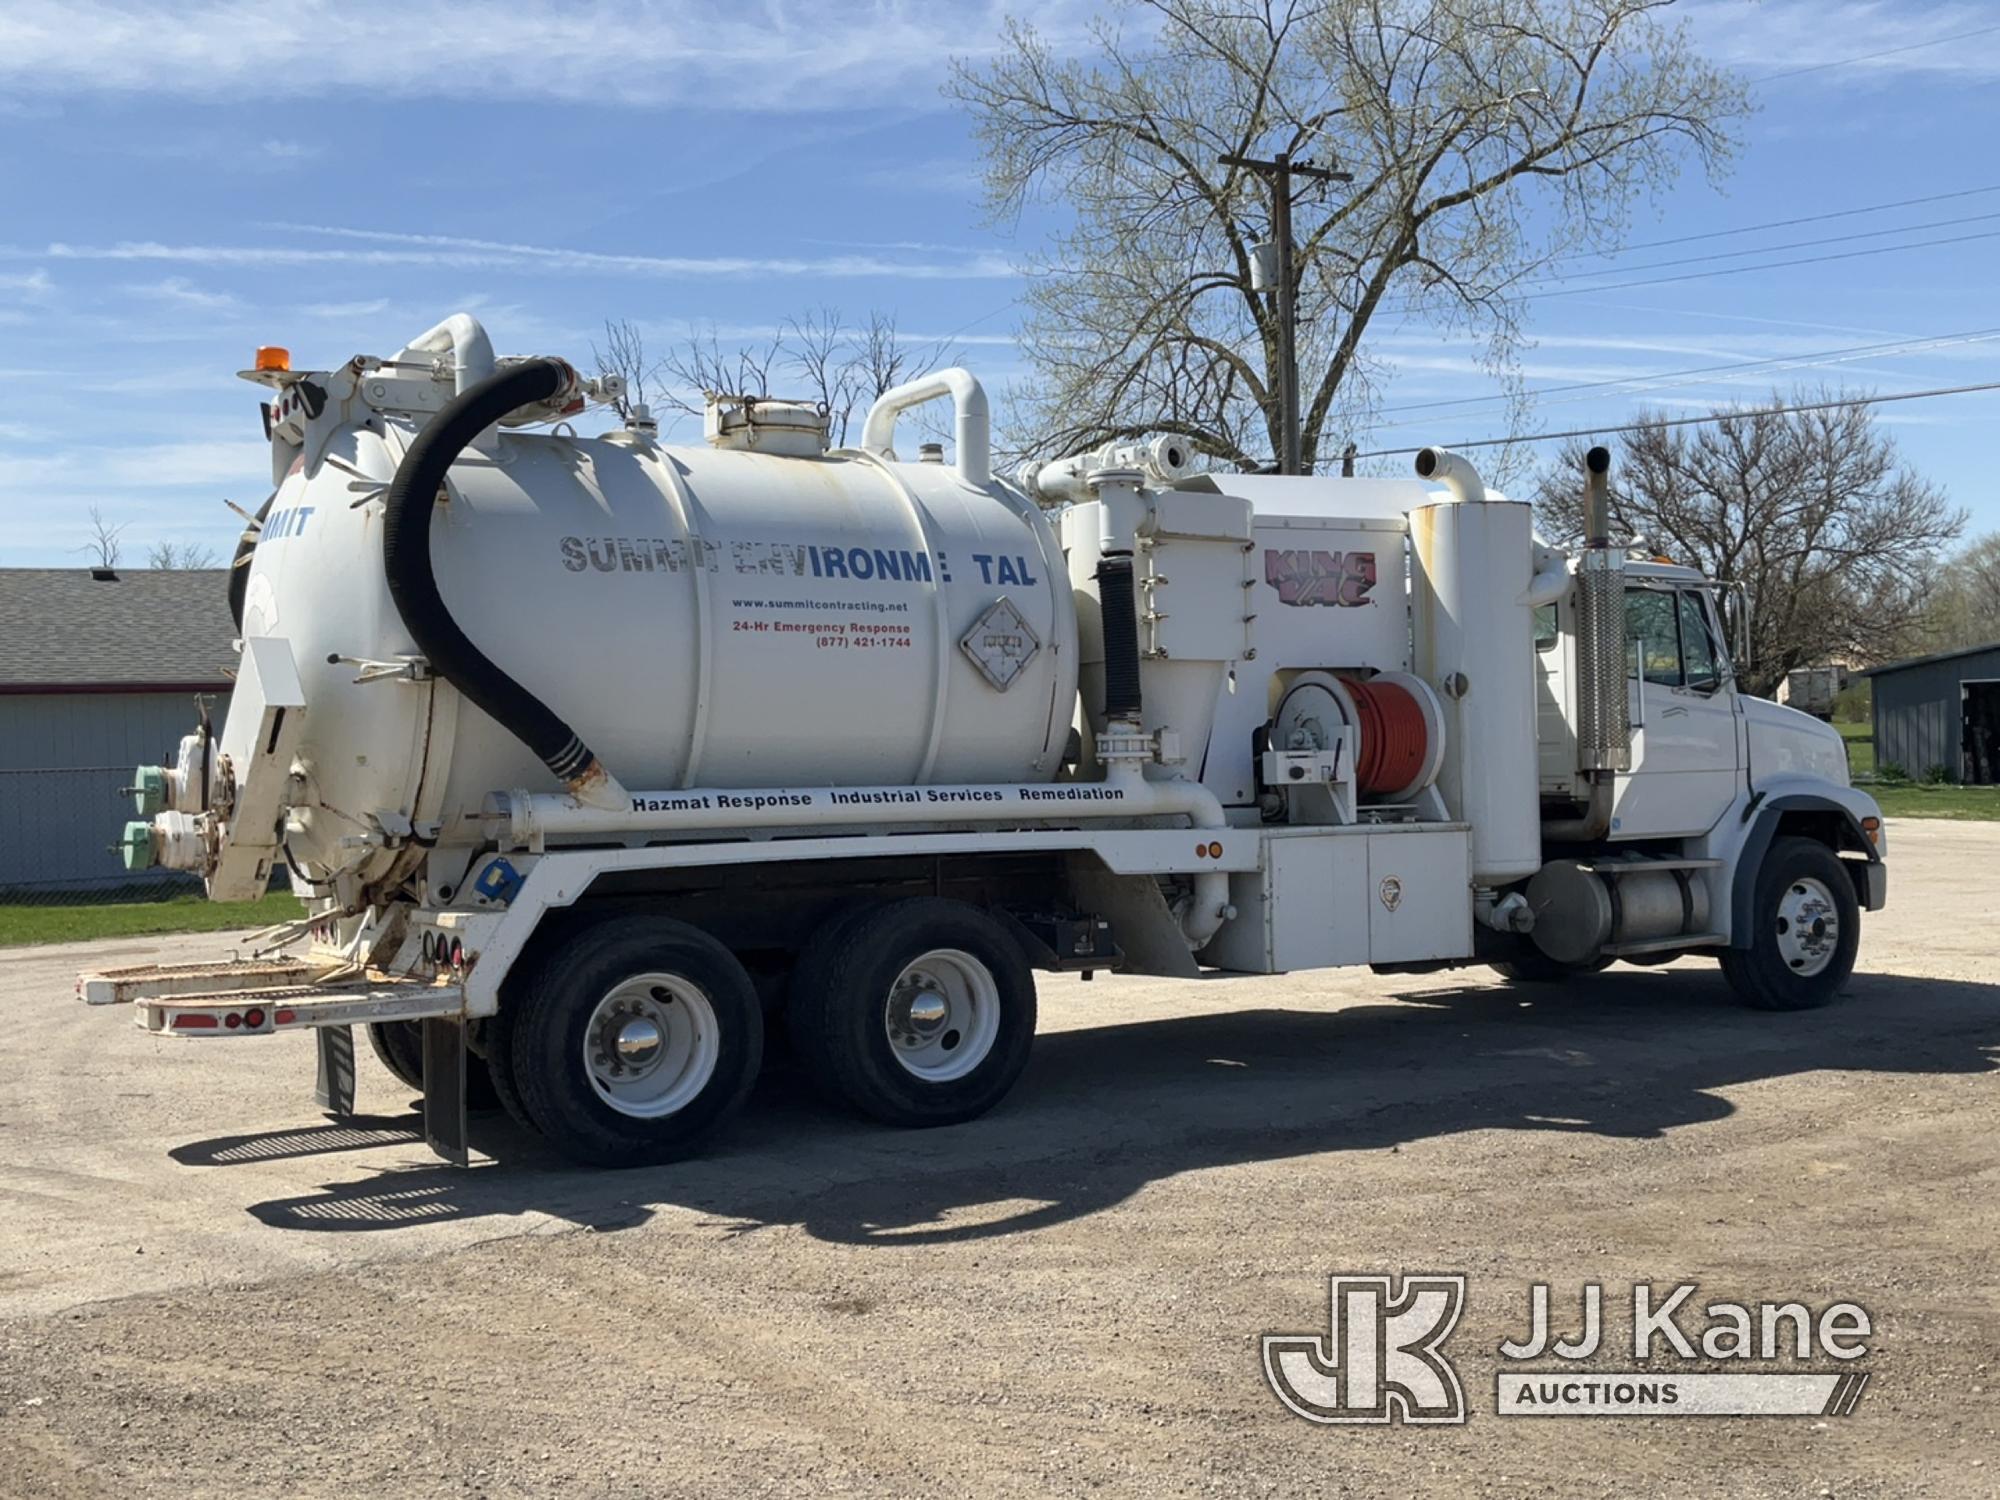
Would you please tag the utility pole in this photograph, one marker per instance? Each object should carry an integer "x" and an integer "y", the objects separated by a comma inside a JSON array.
[{"x": 1279, "y": 171}]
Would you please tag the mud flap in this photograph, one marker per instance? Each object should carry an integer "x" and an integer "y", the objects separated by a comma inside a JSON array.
[
  {"x": 444, "y": 1088},
  {"x": 333, "y": 1090}
]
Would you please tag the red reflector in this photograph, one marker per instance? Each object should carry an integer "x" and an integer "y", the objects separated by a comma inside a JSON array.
[
  {"x": 232, "y": 1020},
  {"x": 457, "y": 954},
  {"x": 253, "y": 1018},
  {"x": 285, "y": 1017},
  {"x": 194, "y": 1021}
]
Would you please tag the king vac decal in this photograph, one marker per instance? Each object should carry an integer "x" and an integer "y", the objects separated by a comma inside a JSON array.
[{"x": 1303, "y": 577}]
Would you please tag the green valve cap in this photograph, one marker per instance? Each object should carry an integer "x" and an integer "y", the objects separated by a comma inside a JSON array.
[
  {"x": 149, "y": 790},
  {"x": 136, "y": 845}
]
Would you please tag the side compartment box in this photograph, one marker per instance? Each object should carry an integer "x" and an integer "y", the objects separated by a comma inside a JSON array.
[
  {"x": 1419, "y": 894},
  {"x": 1330, "y": 897},
  {"x": 1303, "y": 909}
]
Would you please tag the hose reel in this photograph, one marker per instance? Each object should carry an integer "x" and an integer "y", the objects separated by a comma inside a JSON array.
[{"x": 1377, "y": 739}]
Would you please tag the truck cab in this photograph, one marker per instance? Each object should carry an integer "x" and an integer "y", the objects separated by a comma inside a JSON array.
[
  {"x": 1689, "y": 725},
  {"x": 1697, "y": 739},
  {"x": 1723, "y": 790}
]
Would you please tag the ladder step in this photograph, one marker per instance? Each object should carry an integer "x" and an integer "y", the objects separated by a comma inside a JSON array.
[
  {"x": 1661, "y": 945},
  {"x": 296, "y": 1007},
  {"x": 146, "y": 981}
]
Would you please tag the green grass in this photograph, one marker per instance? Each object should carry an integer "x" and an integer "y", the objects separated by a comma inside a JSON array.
[
  {"x": 1965, "y": 804},
  {"x": 1907, "y": 799},
  {"x": 1860, "y": 741},
  {"x": 78, "y": 924}
]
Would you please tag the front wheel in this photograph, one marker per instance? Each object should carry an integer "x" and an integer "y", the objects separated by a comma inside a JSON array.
[
  {"x": 1805, "y": 928},
  {"x": 921, "y": 1012},
  {"x": 635, "y": 1041}
]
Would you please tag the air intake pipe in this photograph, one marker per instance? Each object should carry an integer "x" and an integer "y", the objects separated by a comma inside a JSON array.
[
  {"x": 406, "y": 559},
  {"x": 1442, "y": 466},
  {"x": 1603, "y": 711}
]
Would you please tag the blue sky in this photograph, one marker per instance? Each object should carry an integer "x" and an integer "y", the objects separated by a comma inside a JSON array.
[{"x": 182, "y": 184}]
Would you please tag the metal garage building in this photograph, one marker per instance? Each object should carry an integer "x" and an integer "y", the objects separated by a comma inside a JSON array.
[
  {"x": 1940, "y": 710},
  {"x": 99, "y": 670}
]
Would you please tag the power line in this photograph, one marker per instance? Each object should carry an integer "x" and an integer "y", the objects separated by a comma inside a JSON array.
[
  {"x": 1841, "y": 213},
  {"x": 1963, "y": 36},
  {"x": 1720, "y": 416},
  {"x": 1409, "y": 304},
  {"x": 1830, "y": 239},
  {"x": 1650, "y": 380},
  {"x": 1775, "y": 265}
]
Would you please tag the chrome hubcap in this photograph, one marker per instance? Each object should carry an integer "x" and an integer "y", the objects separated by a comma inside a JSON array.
[
  {"x": 943, "y": 1015},
  {"x": 651, "y": 1045},
  {"x": 1808, "y": 927},
  {"x": 638, "y": 1042}
]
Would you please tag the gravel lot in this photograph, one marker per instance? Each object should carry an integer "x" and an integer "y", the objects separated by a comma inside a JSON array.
[{"x": 206, "y": 1291}]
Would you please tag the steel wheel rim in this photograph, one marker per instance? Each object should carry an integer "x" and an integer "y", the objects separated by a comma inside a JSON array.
[
  {"x": 1807, "y": 927},
  {"x": 942, "y": 1015},
  {"x": 651, "y": 1045}
]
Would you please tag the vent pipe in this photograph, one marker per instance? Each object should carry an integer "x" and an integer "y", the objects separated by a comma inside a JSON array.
[{"x": 1442, "y": 466}]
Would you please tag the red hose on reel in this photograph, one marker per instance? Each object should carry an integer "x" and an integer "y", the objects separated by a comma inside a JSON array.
[{"x": 1394, "y": 738}]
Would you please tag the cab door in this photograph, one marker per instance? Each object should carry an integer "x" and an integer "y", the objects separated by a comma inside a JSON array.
[{"x": 1686, "y": 757}]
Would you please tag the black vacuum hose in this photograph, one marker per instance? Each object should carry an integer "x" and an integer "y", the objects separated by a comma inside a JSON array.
[
  {"x": 239, "y": 566},
  {"x": 406, "y": 559}
]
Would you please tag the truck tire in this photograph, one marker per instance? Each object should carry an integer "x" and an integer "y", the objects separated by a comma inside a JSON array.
[
  {"x": 498, "y": 1039},
  {"x": 637, "y": 1038},
  {"x": 918, "y": 1013},
  {"x": 400, "y": 1047},
  {"x": 1805, "y": 930}
]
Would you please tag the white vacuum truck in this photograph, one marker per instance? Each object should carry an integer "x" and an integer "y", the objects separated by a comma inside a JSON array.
[{"x": 593, "y": 757}]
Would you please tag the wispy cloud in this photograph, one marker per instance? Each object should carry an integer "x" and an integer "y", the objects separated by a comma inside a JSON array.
[
  {"x": 178, "y": 291},
  {"x": 36, "y": 283},
  {"x": 458, "y": 253},
  {"x": 1849, "y": 43},
  {"x": 787, "y": 55},
  {"x": 344, "y": 312}
]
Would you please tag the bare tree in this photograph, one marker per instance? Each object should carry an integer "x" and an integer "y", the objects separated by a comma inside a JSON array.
[
  {"x": 103, "y": 545},
  {"x": 1811, "y": 511},
  {"x": 624, "y": 355},
  {"x": 817, "y": 351},
  {"x": 1485, "y": 137},
  {"x": 1965, "y": 604},
  {"x": 816, "y": 356},
  {"x": 172, "y": 555},
  {"x": 880, "y": 358},
  {"x": 701, "y": 366}
]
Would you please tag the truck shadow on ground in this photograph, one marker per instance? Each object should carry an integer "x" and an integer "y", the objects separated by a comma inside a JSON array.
[{"x": 1106, "y": 1110}]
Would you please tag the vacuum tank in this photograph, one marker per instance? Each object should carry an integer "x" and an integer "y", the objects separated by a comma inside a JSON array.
[{"x": 757, "y": 612}]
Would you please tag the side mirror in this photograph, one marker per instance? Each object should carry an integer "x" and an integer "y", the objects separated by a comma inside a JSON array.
[{"x": 1737, "y": 625}]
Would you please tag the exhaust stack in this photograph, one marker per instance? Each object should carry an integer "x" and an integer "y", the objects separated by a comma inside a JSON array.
[
  {"x": 1603, "y": 712},
  {"x": 1604, "y": 721}
]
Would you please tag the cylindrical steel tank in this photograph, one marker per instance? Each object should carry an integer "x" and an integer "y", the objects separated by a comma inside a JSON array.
[
  {"x": 1473, "y": 633},
  {"x": 700, "y": 616}
]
